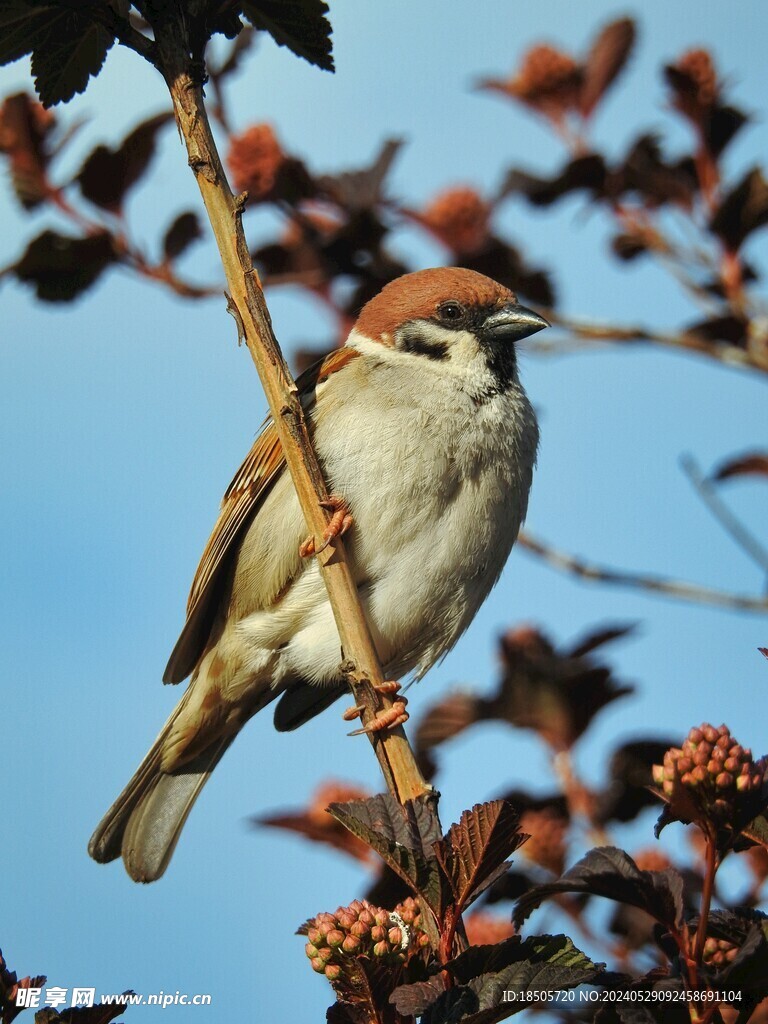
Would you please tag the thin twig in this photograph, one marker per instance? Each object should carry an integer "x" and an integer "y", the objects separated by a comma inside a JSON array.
[
  {"x": 730, "y": 523},
  {"x": 679, "y": 589},
  {"x": 731, "y": 355},
  {"x": 246, "y": 299}
]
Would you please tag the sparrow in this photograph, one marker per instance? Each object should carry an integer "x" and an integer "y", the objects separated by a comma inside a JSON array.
[{"x": 423, "y": 429}]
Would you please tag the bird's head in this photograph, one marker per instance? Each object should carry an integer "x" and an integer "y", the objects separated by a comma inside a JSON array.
[{"x": 458, "y": 318}]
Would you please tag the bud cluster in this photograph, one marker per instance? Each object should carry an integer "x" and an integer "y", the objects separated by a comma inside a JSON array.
[
  {"x": 459, "y": 217},
  {"x": 711, "y": 778},
  {"x": 255, "y": 159},
  {"x": 719, "y": 952},
  {"x": 359, "y": 930}
]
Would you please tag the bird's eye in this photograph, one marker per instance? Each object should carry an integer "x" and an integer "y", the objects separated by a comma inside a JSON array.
[{"x": 451, "y": 312}]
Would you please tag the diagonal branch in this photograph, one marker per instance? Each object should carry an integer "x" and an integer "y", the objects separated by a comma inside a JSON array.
[
  {"x": 246, "y": 303},
  {"x": 586, "y": 570}
]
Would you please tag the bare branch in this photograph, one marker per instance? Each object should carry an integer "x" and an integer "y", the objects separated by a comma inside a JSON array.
[
  {"x": 678, "y": 589},
  {"x": 731, "y": 355},
  {"x": 246, "y": 299}
]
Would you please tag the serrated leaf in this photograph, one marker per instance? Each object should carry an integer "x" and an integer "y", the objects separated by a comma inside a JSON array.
[
  {"x": 490, "y": 959},
  {"x": 184, "y": 230},
  {"x": 108, "y": 174},
  {"x": 606, "y": 58},
  {"x": 475, "y": 849},
  {"x": 757, "y": 830},
  {"x": 66, "y": 54},
  {"x": 610, "y": 872},
  {"x": 412, "y": 1000},
  {"x": 545, "y": 963},
  {"x": 23, "y": 24},
  {"x": 301, "y": 25},
  {"x": 406, "y": 848}
]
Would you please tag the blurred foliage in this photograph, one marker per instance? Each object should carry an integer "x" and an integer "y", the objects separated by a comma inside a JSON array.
[{"x": 406, "y": 951}]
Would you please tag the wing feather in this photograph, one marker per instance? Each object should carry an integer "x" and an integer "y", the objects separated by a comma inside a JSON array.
[{"x": 252, "y": 482}]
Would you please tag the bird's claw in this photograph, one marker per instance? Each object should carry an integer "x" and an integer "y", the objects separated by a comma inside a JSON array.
[
  {"x": 339, "y": 523},
  {"x": 387, "y": 718}
]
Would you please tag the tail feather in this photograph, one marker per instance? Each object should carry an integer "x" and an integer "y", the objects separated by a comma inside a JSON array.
[
  {"x": 155, "y": 823},
  {"x": 145, "y": 822},
  {"x": 106, "y": 842}
]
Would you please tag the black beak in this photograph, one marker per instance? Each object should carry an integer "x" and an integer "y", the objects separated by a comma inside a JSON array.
[{"x": 513, "y": 323}]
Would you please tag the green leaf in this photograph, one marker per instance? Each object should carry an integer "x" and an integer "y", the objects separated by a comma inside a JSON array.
[
  {"x": 301, "y": 25},
  {"x": 610, "y": 872},
  {"x": 476, "y": 848},
  {"x": 489, "y": 974}
]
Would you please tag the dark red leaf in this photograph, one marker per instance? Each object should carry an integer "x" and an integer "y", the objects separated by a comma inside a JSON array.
[
  {"x": 413, "y": 1000},
  {"x": 477, "y": 846},
  {"x": 584, "y": 172},
  {"x": 102, "y": 1013},
  {"x": 315, "y": 823},
  {"x": 629, "y": 777},
  {"x": 595, "y": 638},
  {"x": 60, "y": 267},
  {"x": 720, "y": 127},
  {"x": 646, "y": 172},
  {"x": 609, "y": 872},
  {"x": 607, "y": 57},
  {"x": 531, "y": 969},
  {"x": 181, "y": 234},
  {"x": 731, "y": 329},
  {"x": 107, "y": 174},
  {"x": 25, "y": 127},
  {"x": 404, "y": 843},
  {"x": 362, "y": 189},
  {"x": 743, "y": 210},
  {"x": 751, "y": 464},
  {"x": 628, "y": 247},
  {"x": 301, "y": 25},
  {"x": 504, "y": 263},
  {"x": 67, "y": 47}
]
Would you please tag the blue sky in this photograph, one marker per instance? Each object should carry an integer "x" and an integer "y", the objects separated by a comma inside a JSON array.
[{"x": 124, "y": 416}]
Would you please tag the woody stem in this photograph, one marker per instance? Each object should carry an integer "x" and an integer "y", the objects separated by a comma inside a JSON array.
[{"x": 247, "y": 305}]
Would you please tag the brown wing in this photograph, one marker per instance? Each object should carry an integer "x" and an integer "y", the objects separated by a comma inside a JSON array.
[{"x": 248, "y": 489}]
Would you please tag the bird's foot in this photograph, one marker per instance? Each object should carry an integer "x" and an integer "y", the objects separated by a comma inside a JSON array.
[
  {"x": 388, "y": 718},
  {"x": 339, "y": 523}
]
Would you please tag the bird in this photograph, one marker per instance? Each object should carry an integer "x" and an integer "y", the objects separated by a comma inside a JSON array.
[{"x": 428, "y": 443}]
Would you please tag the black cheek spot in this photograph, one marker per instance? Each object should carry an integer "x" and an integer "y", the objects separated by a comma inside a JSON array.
[{"x": 412, "y": 340}]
